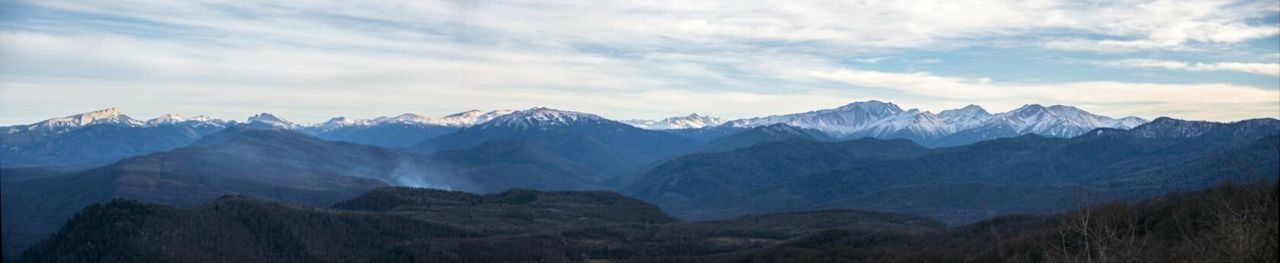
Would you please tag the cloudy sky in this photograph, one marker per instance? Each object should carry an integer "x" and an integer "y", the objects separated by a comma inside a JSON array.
[{"x": 311, "y": 60}]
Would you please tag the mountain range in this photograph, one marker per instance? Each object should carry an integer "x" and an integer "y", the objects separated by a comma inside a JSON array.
[
  {"x": 965, "y": 183},
  {"x": 692, "y": 121},
  {"x": 883, "y": 120},
  {"x": 866, "y": 155},
  {"x": 597, "y": 149},
  {"x": 66, "y": 141}
]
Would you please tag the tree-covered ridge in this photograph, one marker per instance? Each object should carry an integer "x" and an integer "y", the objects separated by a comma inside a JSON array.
[{"x": 1228, "y": 223}]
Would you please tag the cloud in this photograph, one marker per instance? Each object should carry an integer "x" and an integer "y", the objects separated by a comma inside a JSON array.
[
  {"x": 900, "y": 24},
  {"x": 311, "y": 60},
  {"x": 1270, "y": 69}
]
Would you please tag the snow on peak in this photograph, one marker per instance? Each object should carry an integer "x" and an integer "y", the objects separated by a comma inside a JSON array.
[
  {"x": 203, "y": 118},
  {"x": 912, "y": 122},
  {"x": 839, "y": 122},
  {"x": 964, "y": 118},
  {"x": 883, "y": 120},
  {"x": 175, "y": 119},
  {"x": 339, "y": 122},
  {"x": 692, "y": 121},
  {"x": 462, "y": 119},
  {"x": 104, "y": 116},
  {"x": 166, "y": 119},
  {"x": 108, "y": 115},
  {"x": 271, "y": 121},
  {"x": 968, "y": 112},
  {"x": 1057, "y": 121},
  {"x": 1130, "y": 122},
  {"x": 873, "y": 106},
  {"x": 407, "y": 118},
  {"x": 541, "y": 118},
  {"x": 471, "y": 117}
]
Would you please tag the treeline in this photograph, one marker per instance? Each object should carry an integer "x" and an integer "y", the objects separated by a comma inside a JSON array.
[{"x": 1227, "y": 223}]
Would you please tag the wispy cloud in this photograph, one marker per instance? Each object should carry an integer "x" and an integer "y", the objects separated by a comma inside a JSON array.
[
  {"x": 314, "y": 59},
  {"x": 1271, "y": 69}
]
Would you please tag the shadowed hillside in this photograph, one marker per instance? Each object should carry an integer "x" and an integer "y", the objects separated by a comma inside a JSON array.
[
  {"x": 419, "y": 225},
  {"x": 269, "y": 164},
  {"x": 1229, "y": 223}
]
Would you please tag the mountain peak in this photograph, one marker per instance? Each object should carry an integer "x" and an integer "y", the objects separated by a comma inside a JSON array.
[
  {"x": 970, "y": 112},
  {"x": 542, "y": 118},
  {"x": 406, "y": 118},
  {"x": 471, "y": 117},
  {"x": 1029, "y": 109},
  {"x": 201, "y": 118},
  {"x": 168, "y": 118},
  {"x": 691, "y": 121},
  {"x": 1165, "y": 127},
  {"x": 972, "y": 107},
  {"x": 339, "y": 122},
  {"x": 873, "y": 106},
  {"x": 103, "y": 116},
  {"x": 544, "y": 113},
  {"x": 270, "y": 121},
  {"x": 95, "y": 116}
]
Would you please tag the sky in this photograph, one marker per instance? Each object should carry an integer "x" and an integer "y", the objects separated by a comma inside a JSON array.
[{"x": 308, "y": 61}]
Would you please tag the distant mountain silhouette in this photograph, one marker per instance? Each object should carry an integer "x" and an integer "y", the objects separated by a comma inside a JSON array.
[
  {"x": 1026, "y": 174},
  {"x": 264, "y": 163},
  {"x": 94, "y": 145},
  {"x": 602, "y": 150},
  {"x": 762, "y": 134},
  {"x": 390, "y": 135}
]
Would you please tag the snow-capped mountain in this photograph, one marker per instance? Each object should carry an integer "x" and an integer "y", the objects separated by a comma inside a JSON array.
[
  {"x": 175, "y": 119},
  {"x": 911, "y": 124},
  {"x": 541, "y": 118},
  {"x": 471, "y": 117},
  {"x": 166, "y": 119},
  {"x": 64, "y": 124},
  {"x": 112, "y": 116},
  {"x": 457, "y": 120},
  {"x": 407, "y": 118},
  {"x": 267, "y": 120},
  {"x": 97, "y": 138},
  {"x": 693, "y": 121},
  {"x": 397, "y": 131},
  {"x": 341, "y": 122},
  {"x": 839, "y": 122},
  {"x": 585, "y": 145},
  {"x": 965, "y": 118},
  {"x": 969, "y": 124},
  {"x": 873, "y": 118},
  {"x": 1055, "y": 121}
]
